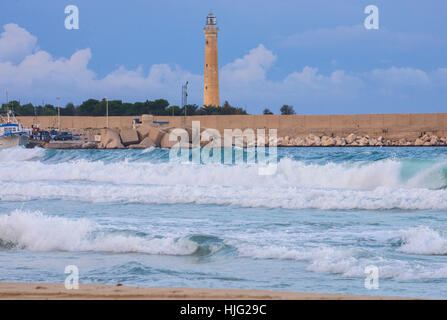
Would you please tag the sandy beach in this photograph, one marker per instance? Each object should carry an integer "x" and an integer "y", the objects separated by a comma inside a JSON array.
[{"x": 44, "y": 291}]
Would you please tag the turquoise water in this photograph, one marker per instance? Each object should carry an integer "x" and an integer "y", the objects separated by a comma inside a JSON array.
[{"x": 133, "y": 217}]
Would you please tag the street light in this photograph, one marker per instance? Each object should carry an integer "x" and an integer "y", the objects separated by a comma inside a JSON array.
[{"x": 107, "y": 112}]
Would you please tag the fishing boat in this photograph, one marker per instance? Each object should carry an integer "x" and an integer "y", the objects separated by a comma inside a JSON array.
[{"x": 12, "y": 133}]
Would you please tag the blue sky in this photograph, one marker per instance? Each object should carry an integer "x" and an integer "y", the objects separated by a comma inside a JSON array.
[{"x": 315, "y": 55}]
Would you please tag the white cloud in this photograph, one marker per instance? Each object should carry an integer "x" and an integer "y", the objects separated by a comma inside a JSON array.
[
  {"x": 357, "y": 37},
  {"x": 15, "y": 43},
  {"x": 252, "y": 67},
  {"x": 401, "y": 77},
  {"x": 35, "y": 75}
]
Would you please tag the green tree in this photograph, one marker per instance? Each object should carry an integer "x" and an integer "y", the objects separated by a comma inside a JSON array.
[
  {"x": 174, "y": 110},
  {"x": 191, "y": 109},
  {"x": 87, "y": 107},
  {"x": 48, "y": 110},
  {"x": 286, "y": 109},
  {"x": 25, "y": 110},
  {"x": 158, "y": 107},
  {"x": 69, "y": 110},
  {"x": 267, "y": 111}
]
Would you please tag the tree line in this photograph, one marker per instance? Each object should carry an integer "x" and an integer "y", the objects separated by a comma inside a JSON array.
[
  {"x": 159, "y": 107},
  {"x": 93, "y": 107}
]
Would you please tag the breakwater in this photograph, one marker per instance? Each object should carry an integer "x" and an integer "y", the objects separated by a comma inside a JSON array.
[{"x": 388, "y": 126}]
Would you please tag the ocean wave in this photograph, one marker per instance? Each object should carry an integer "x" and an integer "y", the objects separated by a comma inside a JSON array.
[
  {"x": 289, "y": 173},
  {"x": 420, "y": 240},
  {"x": 371, "y": 185},
  {"x": 20, "y": 154},
  {"x": 32, "y": 230},
  {"x": 345, "y": 261},
  {"x": 260, "y": 196},
  {"x": 423, "y": 240}
]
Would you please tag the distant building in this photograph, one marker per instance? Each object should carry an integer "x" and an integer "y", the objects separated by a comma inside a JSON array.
[{"x": 211, "y": 83}]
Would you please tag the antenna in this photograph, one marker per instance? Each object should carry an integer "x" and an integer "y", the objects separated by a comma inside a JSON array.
[{"x": 185, "y": 96}]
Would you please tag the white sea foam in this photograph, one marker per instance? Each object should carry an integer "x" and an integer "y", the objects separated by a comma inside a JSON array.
[
  {"x": 423, "y": 240},
  {"x": 345, "y": 261},
  {"x": 360, "y": 176},
  {"x": 38, "y": 232},
  {"x": 287, "y": 198},
  {"x": 296, "y": 185},
  {"x": 147, "y": 150},
  {"x": 20, "y": 154}
]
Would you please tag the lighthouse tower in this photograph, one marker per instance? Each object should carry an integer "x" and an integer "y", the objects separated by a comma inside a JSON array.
[{"x": 211, "y": 83}]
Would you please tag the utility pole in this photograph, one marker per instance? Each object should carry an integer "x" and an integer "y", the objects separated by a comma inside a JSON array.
[
  {"x": 58, "y": 115},
  {"x": 7, "y": 101},
  {"x": 107, "y": 112},
  {"x": 184, "y": 100},
  {"x": 185, "y": 96}
]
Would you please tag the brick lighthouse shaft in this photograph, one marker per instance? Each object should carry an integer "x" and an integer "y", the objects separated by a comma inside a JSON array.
[{"x": 211, "y": 81}]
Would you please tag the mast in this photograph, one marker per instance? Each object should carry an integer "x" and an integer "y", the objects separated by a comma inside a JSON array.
[{"x": 7, "y": 105}]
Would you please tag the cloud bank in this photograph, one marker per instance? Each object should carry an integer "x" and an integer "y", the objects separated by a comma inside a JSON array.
[{"x": 34, "y": 75}]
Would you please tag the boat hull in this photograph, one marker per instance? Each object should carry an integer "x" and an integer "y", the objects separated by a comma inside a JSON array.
[{"x": 13, "y": 141}]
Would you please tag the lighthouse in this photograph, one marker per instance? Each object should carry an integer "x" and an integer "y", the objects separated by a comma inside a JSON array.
[{"x": 211, "y": 81}]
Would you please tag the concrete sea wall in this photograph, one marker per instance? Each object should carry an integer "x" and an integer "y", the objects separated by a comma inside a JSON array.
[{"x": 391, "y": 126}]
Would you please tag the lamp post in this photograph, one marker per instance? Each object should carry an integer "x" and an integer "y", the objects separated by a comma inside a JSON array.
[
  {"x": 58, "y": 115},
  {"x": 107, "y": 112}
]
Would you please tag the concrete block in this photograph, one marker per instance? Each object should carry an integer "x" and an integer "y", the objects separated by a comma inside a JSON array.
[{"x": 129, "y": 136}]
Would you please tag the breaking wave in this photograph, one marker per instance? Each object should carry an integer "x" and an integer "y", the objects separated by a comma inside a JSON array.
[
  {"x": 351, "y": 261},
  {"x": 110, "y": 176},
  {"x": 32, "y": 230},
  {"x": 423, "y": 240}
]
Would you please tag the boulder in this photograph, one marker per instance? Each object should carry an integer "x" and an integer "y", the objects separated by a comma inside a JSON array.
[
  {"x": 114, "y": 144},
  {"x": 279, "y": 141},
  {"x": 350, "y": 138},
  {"x": 110, "y": 139},
  {"x": 327, "y": 141},
  {"x": 418, "y": 142},
  {"x": 313, "y": 140},
  {"x": 143, "y": 132},
  {"x": 373, "y": 142},
  {"x": 211, "y": 138},
  {"x": 425, "y": 137},
  {"x": 129, "y": 136},
  {"x": 144, "y": 144},
  {"x": 166, "y": 143},
  {"x": 299, "y": 142},
  {"x": 364, "y": 141},
  {"x": 434, "y": 140},
  {"x": 89, "y": 145},
  {"x": 340, "y": 141},
  {"x": 155, "y": 135}
]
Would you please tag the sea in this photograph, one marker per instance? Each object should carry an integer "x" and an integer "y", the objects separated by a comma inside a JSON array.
[{"x": 367, "y": 221}]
